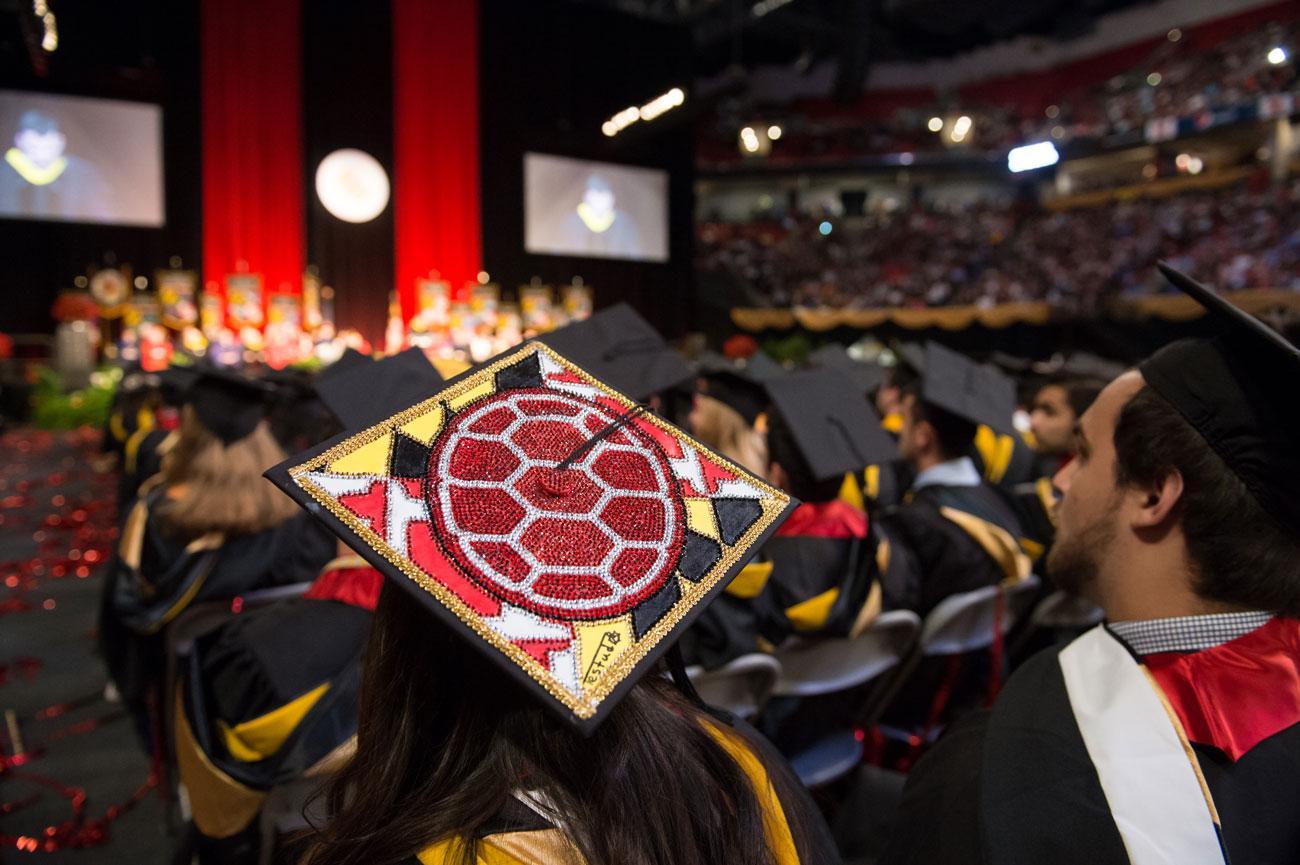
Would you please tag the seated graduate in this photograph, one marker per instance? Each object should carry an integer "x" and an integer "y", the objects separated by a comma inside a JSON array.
[
  {"x": 816, "y": 575},
  {"x": 727, "y": 411},
  {"x": 960, "y": 532},
  {"x": 204, "y": 528},
  {"x": 143, "y": 450},
  {"x": 506, "y": 715},
  {"x": 1172, "y": 732},
  {"x": 270, "y": 697},
  {"x": 1055, "y": 409}
]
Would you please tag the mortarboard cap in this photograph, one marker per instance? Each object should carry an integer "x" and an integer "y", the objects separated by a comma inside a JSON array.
[
  {"x": 228, "y": 403},
  {"x": 866, "y": 376},
  {"x": 546, "y": 518},
  {"x": 349, "y": 359},
  {"x": 366, "y": 391},
  {"x": 732, "y": 383},
  {"x": 174, "y": 384},
  {"x": 834, "y": 432},
  {"x": 620, "y": 348},
  {"x": 1226, "y": 388},
  {"x": 977, "y": 393}
]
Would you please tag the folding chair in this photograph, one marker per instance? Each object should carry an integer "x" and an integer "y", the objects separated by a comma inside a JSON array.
[
  {"x": 817, "y": 667},
  {"x": 959, "y": 626},
  {"x": 741, "y": 686}
]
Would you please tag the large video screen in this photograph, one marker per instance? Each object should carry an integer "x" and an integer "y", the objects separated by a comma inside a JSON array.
[
  {"x": 71, "y": 159},
  {"x": 594, "y": 209}
]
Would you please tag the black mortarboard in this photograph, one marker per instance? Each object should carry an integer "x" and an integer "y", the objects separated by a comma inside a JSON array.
[
  {"x": 975, "y": 392},
  {"x": 174, "y": 384},
  {"x": 364, "y": 391},
  {"x": 620, "y": 348},
  {"x": 867, "y": 376},
  {"x": 1226, "y": 387},
  {"x": 228, "y": 403},
  {"x": 349, "y": 359},
  {"x": 732, "y": 384},
  {"x": 567, "y": 533},
  {"x": 835, "y": 432}
]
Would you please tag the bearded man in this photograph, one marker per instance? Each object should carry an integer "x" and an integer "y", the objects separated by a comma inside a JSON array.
[{"x": 1171, "y": 733}]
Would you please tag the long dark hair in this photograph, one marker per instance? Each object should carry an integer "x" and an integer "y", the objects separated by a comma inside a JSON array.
[{"x": 445, "y": 738}]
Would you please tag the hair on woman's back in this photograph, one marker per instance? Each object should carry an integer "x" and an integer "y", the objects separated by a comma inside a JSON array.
[{"x": 445, "y": 740}]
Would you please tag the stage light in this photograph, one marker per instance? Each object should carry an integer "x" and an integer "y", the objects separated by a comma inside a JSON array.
[
  {"x": 825, "y": 228},
  {"x": 622, "y": 120},
  {"x": 50, "y": 41},
  {"x": 749, "y": 140},
  {"x": 960, "y": 129},
  {"x": 1154, "y": 79},
  {"x": 1058, "y": 132},
  {"x": 662, "y": 103},
  {"x": 1181, "y": 161},
  {"x": 1277, "y": 55},
  {"x": 1174, "y": 35},
  {"x": 1031, "y": 156},
  {"x": 352, "y": 185},
  {"x": 935, "y": 124},
  {"x": 1053, "y": 112},
  {"x": 1195, "y": 165},
  {"x": 483, "y": 277},
  {"x": 1149, "y": 171},
  {"x": 140, "y": 282},
  {"x": 609, "y": 128},
  {"x": 774, "y": 132},
  {"x": 766, "y": 7},
  {"x": 906, "y": 158}
]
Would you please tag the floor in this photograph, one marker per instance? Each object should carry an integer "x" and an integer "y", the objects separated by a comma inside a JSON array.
[{"x": 74, "y": 787}]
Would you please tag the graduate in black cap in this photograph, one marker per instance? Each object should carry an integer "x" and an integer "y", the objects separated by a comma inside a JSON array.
[
  {"x": 544, "y": 541},
  {"x": 204, "y": 528},
  {"x": 269, "y": 699},
  {"x": 1171, "y": 733},
  {"x": 962, "y": 533},
  {"x": 729, "y": 407}
]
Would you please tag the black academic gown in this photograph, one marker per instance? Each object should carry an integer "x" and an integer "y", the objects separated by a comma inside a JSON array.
[
  {"x": 154, "y": 577},
  {"x": 264, "y": 699},
  {"x": 1015, "y": 786},
  {"x": 949, "y": 557}
]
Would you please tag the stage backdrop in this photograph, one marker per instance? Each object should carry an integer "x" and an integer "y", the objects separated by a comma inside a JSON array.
[
  {"x": 550, "y": 73},
  {"x": 149, "y": 56}
]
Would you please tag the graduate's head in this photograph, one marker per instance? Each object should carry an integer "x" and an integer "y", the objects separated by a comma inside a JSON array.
[
  {"x": 724, "y": 429},
  {"x": 789, "y": 469},
  {"x": 446, "y": 740},
  {"x": 930, "y": 434},
  {"x": 39, "y": 138},
  {"x": 214, "y": 473},
  {"x": 1148, "y": 489},
  {"x": 1056, "y": 408}
]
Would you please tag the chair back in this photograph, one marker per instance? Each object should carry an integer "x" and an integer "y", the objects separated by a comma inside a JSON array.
[
  {"x": 965, "y": 622},
  {"x": 823, "y": 666},
  {"x": 741, "y": 686}
]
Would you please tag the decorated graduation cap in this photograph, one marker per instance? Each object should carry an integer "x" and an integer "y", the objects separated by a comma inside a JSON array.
[
  {"x": 834, "y": 432},
  {"x": 975, "y": 392},
  {"x": 228, "y": 403},
  {"x": 1226, "y": 388},
  {"x": 866, "y": 376},
  {"x": 623, "y": 350},
  {"x": 362, "y": 391},
  {"x": 547, "y": 518}
]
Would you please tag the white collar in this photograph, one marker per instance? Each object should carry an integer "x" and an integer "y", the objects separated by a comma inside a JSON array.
[{"x": 960, "y": 472}]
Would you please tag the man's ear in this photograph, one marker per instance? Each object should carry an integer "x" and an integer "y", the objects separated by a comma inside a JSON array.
[
  {"x": 1157, "y": 502},
  {"x": 776, "y": 475}
]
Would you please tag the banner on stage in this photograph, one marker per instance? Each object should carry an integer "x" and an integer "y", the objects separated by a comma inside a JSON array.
[
  {"x": 284, "y": 309},
  {"x": 311, "y": 314},
  {"x": 176, "y": 294},
  {"x": 433, "y": 300},
  {"x": 212, "y": 314},
  {"x": 244, "y": 300}
]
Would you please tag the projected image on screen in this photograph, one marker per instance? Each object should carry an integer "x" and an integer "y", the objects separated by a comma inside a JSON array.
[
  {"x": 80, "y": 160},
  {"x": 596, "y": 209}
]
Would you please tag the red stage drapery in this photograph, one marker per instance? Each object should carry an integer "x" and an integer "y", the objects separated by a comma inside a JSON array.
[
  {"x": 435, "y": 143},
  {"x": 251, "y": 67}
]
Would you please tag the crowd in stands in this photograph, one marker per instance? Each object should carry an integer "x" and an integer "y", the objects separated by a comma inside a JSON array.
[
  {"x": 1178, "y": 78},
  {"x": 1242, "y": 236}
]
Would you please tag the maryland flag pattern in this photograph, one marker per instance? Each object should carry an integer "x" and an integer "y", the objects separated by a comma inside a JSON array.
[{"x": 566, "y": 530}]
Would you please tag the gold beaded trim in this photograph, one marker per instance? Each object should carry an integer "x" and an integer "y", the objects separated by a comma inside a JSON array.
[{"x": 583, "y": 707}]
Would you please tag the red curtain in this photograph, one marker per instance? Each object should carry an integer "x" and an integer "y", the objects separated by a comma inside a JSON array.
[
  {"x": 435, "y": 143},
  {"x": 251, "y": 66}
]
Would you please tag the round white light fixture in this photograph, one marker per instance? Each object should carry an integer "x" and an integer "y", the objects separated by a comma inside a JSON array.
[
  {"x": 774, "y": 132},
  {"x": 1277, "y": 55},
  {"x": 352, "y": 185},
  {"x": 935, "y": 124}
]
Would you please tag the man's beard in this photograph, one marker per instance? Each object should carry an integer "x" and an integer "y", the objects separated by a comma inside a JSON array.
[{"x": 1074, "y": 563}]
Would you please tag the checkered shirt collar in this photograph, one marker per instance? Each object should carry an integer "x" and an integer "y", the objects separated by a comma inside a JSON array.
[{"x": 1186, "y": 633}]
